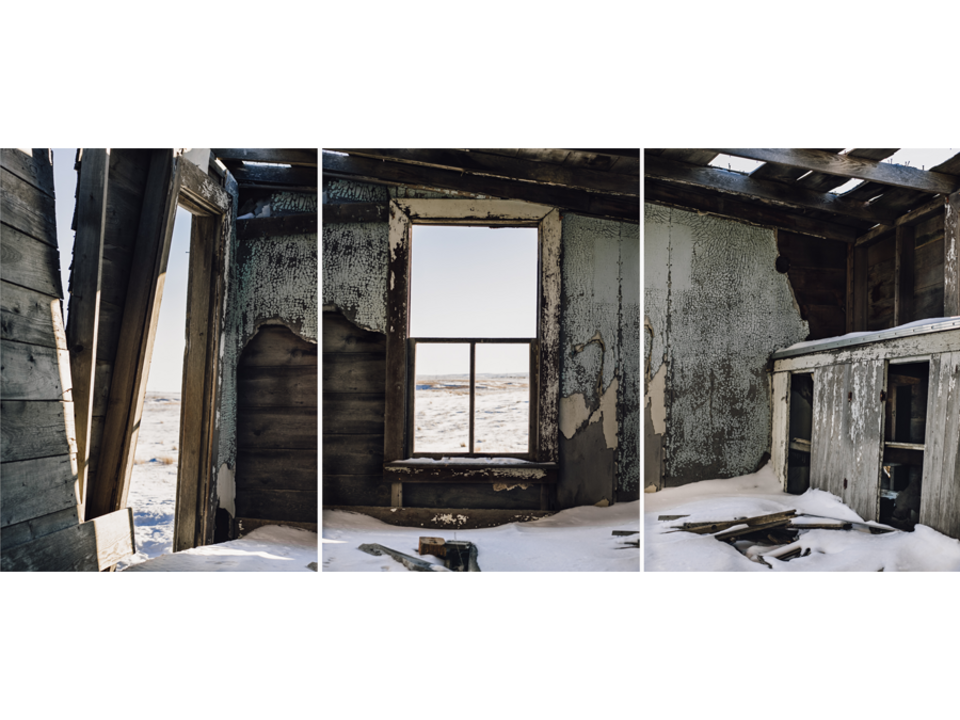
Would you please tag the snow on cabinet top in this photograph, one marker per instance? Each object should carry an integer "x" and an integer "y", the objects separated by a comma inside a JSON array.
[{"x": 918, "y": 327}]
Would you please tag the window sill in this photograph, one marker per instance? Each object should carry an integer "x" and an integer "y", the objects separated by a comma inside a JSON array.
[{"x": 473, "y": 469}]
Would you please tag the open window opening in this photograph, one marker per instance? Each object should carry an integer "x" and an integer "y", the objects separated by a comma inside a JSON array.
[
  {"x": 901, "y": 472},
  {"x": 800, "y": 433},
  {"x": 472, "y": 343}
]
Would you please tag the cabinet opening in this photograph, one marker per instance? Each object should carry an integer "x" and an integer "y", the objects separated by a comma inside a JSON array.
[
  {"x": 800, "y": 433},
  {"x": 905, "y": 419}
]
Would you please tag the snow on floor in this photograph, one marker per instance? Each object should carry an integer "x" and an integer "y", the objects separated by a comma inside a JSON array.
[
  {"x": 442, "y": 406},
  {"x": 575, "y": 539},
  {"x": 272, "y": 548},
  {"x": 761, "y": 494},
  {"x": 153, "y": 485}
]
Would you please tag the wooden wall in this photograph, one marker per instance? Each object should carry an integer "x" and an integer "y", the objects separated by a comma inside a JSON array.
[
  {"x": 354, "y": 372},
  {"x": 817, "y": 270},
  {"x": 276, "y": 477},
  {"x": 38, "y": 495}
]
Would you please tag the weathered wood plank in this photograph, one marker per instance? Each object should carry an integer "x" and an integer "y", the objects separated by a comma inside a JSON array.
[
  {"x": 277, "y": 387},
  {"x": 356, "y": 413},
  {"x": 355, "y": 490},
  {"x": 358, "y": 374},
  {"x": 275, "y": 346},
  {"x": 352, "y": 454},
  {"x": 755, "y": 214},
  {"x": 29, "y": 263},
  {"x": 278, "y": 504},
  {"x": 90, "y": 546},
  {"x": 744, "y": 186},
  {"x": 951, "y": 255},
  {"x": 34, "y": 166},
  {"x": 33, "y": 488},
  {"x": 944, "y": 515},
  {"x": 468, "y": 495},
  {"x": 24, "y": 532},
  {"x": 824, "y": 183},
  {"x": 910, "y": 346},
  {"x": 850, "y": 167},
  {"x": 27, "y": 208},
  {"x": 484, "y": 164},
  {"x": 29, "y": 317},
  {"x": 342, "y": 336},
  {"x": 107, "y": 492},
  {"x": 85, "y": 281},
  {"x": 200, "y": 193},
  {"x": 931, "y": 486},
  {"x": 31, "y": 372},
  {"x": 294, "y": 469},
  {"x": 865, "y": 384},
  {"x": 306, "y": 156},
  {"x": 277, "y": 428},
  {"x": 780, "y": 405},
  {"x": 34, "y": 429},
  {"x": 903, "y": 275},
  {"x": 266, "y": 175}
]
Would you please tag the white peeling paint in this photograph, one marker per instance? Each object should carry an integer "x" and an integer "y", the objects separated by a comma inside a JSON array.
[
  {"x": 607, "y": 413},
  {"x": 499, "y": 487},
  {"x": 573, "y": 414},
  {"x": 227, "y": 489},
  {"x": 654, "y": 399}
]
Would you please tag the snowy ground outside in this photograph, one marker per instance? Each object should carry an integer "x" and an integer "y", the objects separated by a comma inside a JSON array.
[
  {"x": 667, "y": 549},
  {"x": 578, "y": 539},
  {"x": 442, "y": 405},
  {"x": 153, "y": 486},
  {"x": 152, "y": 497}
]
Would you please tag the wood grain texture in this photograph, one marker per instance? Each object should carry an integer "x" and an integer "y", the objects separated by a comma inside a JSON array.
[
  {"x": 951, "y": 255},
  {"x": 34, "y": 429},
  {"x": 31, "y": 372},
  {"x": 28, "y": 209},
  {"x": 90, "y": 547},
  {"x": 34, "y": 488},
  {"x": 353, "y": 413},
  {"x": 24, "y": 532},
  {"x": 781, "y": 420},
  {"x": 352, "y": 454},
  {"x": 34, "y": 166},
  {"x": 940, "y": 494},
  {"x": 29, "y": 263},
  {"x": 29, "y": 317},
  {"x": 261, "y": 468},
  {"x": 278, "y": 504}
]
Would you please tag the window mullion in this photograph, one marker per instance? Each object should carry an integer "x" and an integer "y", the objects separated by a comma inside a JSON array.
[{"x": 473, "y": 378}]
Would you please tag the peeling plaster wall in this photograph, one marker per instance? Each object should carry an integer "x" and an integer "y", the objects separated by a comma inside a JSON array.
[
  {"x": 599, "y": 336},
  {"x": 600, "y": 362},
  {"x": 268, "y": 281},
  {"x": 715, "y": 308}
]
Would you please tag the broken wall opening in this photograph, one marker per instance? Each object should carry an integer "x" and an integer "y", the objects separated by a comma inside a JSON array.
[{"x": 800, "y": 433}]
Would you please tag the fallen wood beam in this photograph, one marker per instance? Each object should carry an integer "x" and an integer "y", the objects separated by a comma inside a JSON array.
[
  {"x": 737, "y": 532},
  {"x": 901, "y": 176},
  {"x": 408, "y": 561},
  {"x": 716, "y": 525}
]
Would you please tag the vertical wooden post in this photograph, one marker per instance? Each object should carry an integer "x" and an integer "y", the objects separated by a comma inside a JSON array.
[
  {"x": 951, "y": 255},
  {"x": 395, "y": 442},
  {"x": 850, "y": 307},
  {"x": 84, "y": 316},
  {"x": 138, "y": 330},
  {"x": 903, "y": 275}
]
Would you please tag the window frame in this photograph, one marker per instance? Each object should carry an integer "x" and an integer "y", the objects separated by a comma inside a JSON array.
[{"x": 545, "y": 370}]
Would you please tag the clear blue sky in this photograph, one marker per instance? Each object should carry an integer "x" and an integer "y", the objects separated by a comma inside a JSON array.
[{"x": 167, "y": 365}]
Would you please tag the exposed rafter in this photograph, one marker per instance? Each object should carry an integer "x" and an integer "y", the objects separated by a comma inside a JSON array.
[{"x": 850, "y": 167}]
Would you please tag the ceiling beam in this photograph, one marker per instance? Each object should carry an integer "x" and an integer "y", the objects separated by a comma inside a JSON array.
[
  {"x": 849, "y": 167},
  {"x": 306, "y": 157},
  {"x": 612, "y": 152},
  {"x": 737, "y": 209},
  {"x": 734, "y": 183},
  {"x": 914, "y": 216},
  {"x": 362, "y": 169},
  {"x": 479, "y": 163}
]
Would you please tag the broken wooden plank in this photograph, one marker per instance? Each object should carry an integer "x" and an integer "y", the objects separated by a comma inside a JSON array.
[
  {"x": 90, "y": 546},
  {"x": 738, "y": 531},
  {"x": 668, "y": 518},
  {"x": 716, "y": 525},
  {"x": 408, "y": 561},
  {"x": 624, "y": 533}
]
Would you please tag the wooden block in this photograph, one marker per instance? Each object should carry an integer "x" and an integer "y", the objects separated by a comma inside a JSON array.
[{"x": 432, "y": 546}]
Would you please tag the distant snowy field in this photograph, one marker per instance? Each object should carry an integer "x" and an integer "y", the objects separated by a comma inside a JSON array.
[
  {"x": 760, "y": 494},
  {"x": 442, "y": 411},
  {"x": 153, "y": 487},
  {"x": 579, "y": 539}
]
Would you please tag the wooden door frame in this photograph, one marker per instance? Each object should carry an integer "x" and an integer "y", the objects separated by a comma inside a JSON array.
[{"x": 213, "y": 210}]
